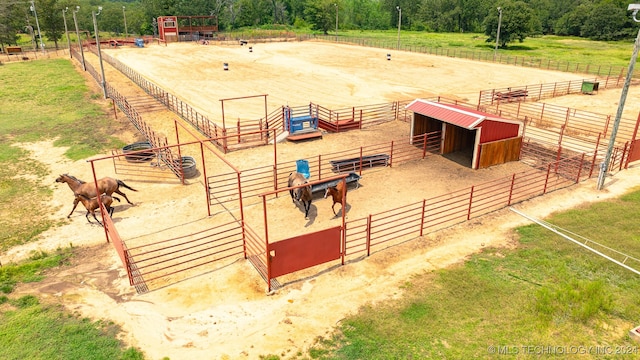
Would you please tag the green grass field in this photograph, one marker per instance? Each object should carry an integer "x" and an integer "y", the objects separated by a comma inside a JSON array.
[{"x": 557, "y": 48}]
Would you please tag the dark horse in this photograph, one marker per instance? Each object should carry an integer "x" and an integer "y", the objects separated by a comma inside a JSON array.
[
  {"x": 106, "y": 185},
  {"x": 91, "y": 204},
  {"x": 302, "y": 194}
]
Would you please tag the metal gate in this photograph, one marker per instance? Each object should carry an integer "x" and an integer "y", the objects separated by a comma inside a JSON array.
[
  {"x": 304, "y": 251},
  {"x": 634, "y": 151}
]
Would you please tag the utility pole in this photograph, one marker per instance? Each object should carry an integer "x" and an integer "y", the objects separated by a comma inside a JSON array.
[
  {"x": 33, "y": 8},
  {"x": 126, "y": 31},
  {"x": 399, "y": 24},
  {"x": 75, "y": 21},
  {"x": 66, "y": 30},
  {"x": 95, "y": 28},
  {"x": 336, "y": 5},
  {"x": 604, "y": 168},
  {"x": 498, "y": 33}
]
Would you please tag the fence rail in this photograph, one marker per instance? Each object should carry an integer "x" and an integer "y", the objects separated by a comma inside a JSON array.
[
  {"x": 439, "y": 212},
  {"x": 484, "y": 56},
  {"x": 538, "y": 92},
  {"x": 175, "y": 259},
  {"x": 223, "y": 187}
]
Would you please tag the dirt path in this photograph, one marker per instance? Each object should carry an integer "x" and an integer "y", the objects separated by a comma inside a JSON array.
[{"x": 226, "y": 314}]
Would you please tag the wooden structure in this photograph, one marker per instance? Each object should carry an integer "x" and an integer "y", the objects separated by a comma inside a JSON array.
[
  {"x": 13, "y": 50},
  {"x": 484, "y": 139},
  {"x": 511, "y": 95},
  {"x": 187, "y": 28}
]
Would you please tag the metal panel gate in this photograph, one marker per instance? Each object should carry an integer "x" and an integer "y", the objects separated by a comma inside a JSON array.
[{"x": 304, "y": 251}]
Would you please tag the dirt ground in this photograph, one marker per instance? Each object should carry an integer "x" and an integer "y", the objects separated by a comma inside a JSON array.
[{"x": 225, "y": 314}]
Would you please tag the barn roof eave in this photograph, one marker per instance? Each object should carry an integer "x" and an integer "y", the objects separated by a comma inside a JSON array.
[{"x": 478, "y": 116}]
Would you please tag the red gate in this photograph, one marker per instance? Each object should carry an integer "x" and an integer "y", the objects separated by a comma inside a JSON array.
[
  {"x": 634, "y": 151},
  {"x": 304, "y": 251}
]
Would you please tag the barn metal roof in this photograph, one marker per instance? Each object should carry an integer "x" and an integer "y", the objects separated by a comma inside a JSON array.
[{"x": 454, "y": 114}]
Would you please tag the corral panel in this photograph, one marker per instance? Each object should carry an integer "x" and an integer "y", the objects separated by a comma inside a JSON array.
[{"x": 304, "y": 251}]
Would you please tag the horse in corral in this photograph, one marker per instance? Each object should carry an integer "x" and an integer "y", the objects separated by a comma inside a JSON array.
[
  {"x": 336, "y": 193},
  {"x": 106, "y": 185},
  {"x": 91, "y": 204},
  {"x": 302, "y": 194}
]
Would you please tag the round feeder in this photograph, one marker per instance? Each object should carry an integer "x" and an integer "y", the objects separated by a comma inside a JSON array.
[
  {"x": 225, "y": 66},
  {"x": 388, "y": 56},
  {"x": 140, "y": 156},
  {"x": 189, "y": 167}
]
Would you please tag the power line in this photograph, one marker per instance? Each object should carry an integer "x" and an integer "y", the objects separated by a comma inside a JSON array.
[{"x": 555, "y": 228}]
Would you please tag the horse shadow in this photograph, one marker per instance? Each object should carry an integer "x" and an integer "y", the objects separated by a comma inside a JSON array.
[
  {"x": 339, "y": 212},
  {"x": 313, "y": 212}
]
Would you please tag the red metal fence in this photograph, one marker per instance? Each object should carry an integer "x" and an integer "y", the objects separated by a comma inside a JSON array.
[
  {"x": 538, "y": 92},
  {"x": 166, "y": 261},
  {"x": 429, "y": 215},
  {"x": 356, "y": 117},
  {"x": 223, "y": 187},
  {"x": 486, "y": 56}
]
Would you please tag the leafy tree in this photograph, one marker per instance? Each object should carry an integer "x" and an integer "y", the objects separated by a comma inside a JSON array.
[
  {"x": 50, "y": 17},
  {"x": 155, "y": 8},
  {"x": 10, "y": 23},
  {"x": 319, "y": 13},
  {"x": 549, "y": 12},
  {"x": 605, "y": 21},
  {"x": 517, "y": 22},
  {"x": 255, "y": 12},
  {"x": 571, "y": 23}
]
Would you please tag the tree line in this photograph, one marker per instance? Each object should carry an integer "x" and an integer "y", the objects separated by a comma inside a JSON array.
[{"x": 593, "y": 19}]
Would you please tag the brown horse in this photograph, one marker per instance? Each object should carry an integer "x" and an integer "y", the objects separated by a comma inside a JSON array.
[
  {"x": 91, "y": 204},
  {"x": 302, "y": 194},
  {"x": 106, "y": 185},
  {"x": 336, "y": 193}
]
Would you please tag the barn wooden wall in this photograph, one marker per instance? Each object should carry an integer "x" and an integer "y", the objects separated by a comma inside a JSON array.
[{"x": 499, "y": 152}]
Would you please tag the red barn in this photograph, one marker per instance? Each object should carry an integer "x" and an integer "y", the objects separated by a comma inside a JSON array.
[
  {"x": 187, "y": 28},
  {"x": 483, "y": 139}
]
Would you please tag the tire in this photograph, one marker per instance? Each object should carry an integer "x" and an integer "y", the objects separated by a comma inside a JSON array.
[
  {"x": 189, "y": 167},
  {"x": 141, "y": 156}
]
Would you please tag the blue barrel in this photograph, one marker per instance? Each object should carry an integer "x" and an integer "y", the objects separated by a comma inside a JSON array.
[
  {"x": 139, "y": 42},
  {"x": 302, "y": 166}
]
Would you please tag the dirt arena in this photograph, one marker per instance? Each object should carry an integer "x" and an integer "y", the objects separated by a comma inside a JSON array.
[{"x": 225, "y": 314}]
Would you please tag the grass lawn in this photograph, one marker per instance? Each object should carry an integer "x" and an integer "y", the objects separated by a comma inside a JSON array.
[
  {"x": 547, "y": 292},
  {"x": 557, "y": 48}
]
